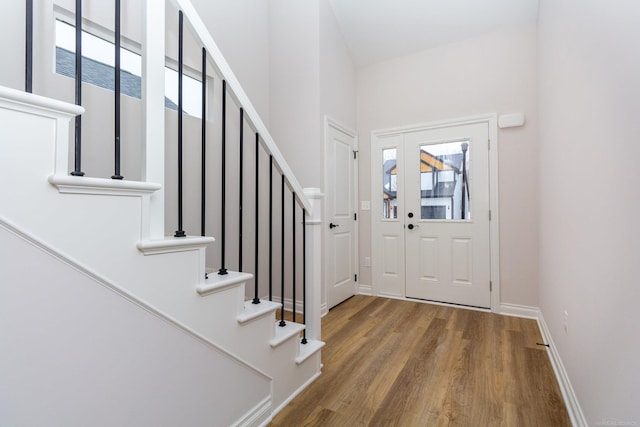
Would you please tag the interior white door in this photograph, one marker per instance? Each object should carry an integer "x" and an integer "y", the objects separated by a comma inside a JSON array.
[
  {"x": 447, "y": 247},
  {"x": 431, "y": 214},
  {"x": 340, "y": 221}
]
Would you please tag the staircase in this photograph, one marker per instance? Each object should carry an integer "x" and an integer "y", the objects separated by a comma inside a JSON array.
[{"x": 114, "y": 230}]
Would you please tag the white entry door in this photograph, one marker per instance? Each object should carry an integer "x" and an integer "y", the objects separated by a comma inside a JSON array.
[
  {"x": 432, "y": 236},
  {"x": 340, "y": 215}
]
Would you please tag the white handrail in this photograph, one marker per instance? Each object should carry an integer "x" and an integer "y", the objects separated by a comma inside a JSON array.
[{"x": 233, "y": 85}]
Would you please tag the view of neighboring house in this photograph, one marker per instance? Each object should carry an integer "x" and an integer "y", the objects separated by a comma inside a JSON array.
[{"x": 442, "y": 183}]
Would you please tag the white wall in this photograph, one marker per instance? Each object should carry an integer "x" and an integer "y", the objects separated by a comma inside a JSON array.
[
  {"x": 295, "y": 87},
  {"x": 337, "y": 72},
  {"x": 294, "y": 65},
  {"x": 490, "y": 73},
  {"x": 589, "y": 100},
  {"x": 12, "y": 27},
  {"x": 240, "y": 28}
]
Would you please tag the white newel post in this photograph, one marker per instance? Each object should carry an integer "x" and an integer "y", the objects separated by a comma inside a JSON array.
[
  {"x": 314, "y": 262},
  {"x": 153, "y": 58}
]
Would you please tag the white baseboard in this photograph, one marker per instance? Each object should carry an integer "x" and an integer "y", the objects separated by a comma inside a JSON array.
[
  {"x": 257, "y": 416},
  {"x": 365, "y": 289},
  {"x": 516, "y": 310},
  {"x": 568, "y": 394},
  {"x": 288, "y": 304},
  {"x": 290, "y": 398},
  {"x": 570, "y": 399}
]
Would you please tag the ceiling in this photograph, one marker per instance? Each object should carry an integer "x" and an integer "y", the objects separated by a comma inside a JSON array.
[{"x": 378, "y": 30}]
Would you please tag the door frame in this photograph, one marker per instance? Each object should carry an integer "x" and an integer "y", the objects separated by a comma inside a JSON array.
[
  {"x": 330, "y": 122},
  {"x": 491, "y": 119}
]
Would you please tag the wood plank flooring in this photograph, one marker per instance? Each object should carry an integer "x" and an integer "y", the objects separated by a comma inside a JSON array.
[{"x": 401, "y": 363}]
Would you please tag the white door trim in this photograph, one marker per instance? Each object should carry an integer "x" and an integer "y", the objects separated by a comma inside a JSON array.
[
  {"x": 494, "y": 225},
  {"x": 330, "y": 122}
]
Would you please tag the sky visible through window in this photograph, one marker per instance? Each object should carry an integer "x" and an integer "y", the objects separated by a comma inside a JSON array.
[{"x": 102, "y": 51}]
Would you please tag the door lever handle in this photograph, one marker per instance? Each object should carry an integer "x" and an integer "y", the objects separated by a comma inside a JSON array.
[
  {"x": 411, "y": 226},
  {"x": 332, "y": 225}
]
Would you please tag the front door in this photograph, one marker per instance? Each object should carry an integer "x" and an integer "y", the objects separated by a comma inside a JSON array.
[{"x": 432, "y": 238}]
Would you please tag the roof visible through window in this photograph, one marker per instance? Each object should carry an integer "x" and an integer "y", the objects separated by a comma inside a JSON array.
[{"x": 98, "y": 64}]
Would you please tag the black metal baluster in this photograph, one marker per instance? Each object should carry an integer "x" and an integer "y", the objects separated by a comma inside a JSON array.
[
  {"x": 293, "y": 251},
  {"x": 282, "y": 322},
  {"x": 223, "y": 182},
  {"x": 203, "y": 122},
  {"x": 271, "y": 227},
  {"x": 116, "y": 76},
  {"x": 180, "y": 232},
  {"x": 240, "y": 183},
  {"x": 77, "y": 171},
  {"x": 304, "y": 275},
  {"x": 28, "y": 66},
  {"x": 256, "y": 300}
]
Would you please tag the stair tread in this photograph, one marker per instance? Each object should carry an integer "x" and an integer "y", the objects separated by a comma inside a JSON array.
[
  {"x": 217, "y": 282},
  {"x": 105, "y": 186},
  {"x": 283, "y": 333},
  {"x": 253, "y": 311},
  {"x": 173, "y": 244},
  {"x": 309, "y": 349}
]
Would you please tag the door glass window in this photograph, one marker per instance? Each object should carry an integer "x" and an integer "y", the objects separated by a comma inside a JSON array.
[
  {"x": 444, "y": 181},
  {"x": 389, "y": 184}
]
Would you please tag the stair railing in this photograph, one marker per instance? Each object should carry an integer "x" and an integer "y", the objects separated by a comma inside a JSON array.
[
  {"x": 234, "y": 88},
  {"x": 264, "y": 142},
  {"x": 153, "y": 68}
]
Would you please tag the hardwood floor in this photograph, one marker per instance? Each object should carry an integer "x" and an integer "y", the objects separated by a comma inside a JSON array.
[{"x": 401, "y": 363}]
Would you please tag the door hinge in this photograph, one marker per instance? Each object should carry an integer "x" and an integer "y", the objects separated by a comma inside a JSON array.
[
  {"x": 489, "y": 214},
  {"x": 355, "y": 154},
  {"x": 355, "y": 277},
  {"x": 488, "y": 144},
  {"x": 490, "y": 286},
  {"x": 355, "y": 216}
]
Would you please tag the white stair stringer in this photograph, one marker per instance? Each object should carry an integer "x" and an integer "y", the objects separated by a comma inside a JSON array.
[
  {"x": 89, "y": 353},
  {"x": 104, "y": 224},
  {"x": 251, "y": 332}
]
